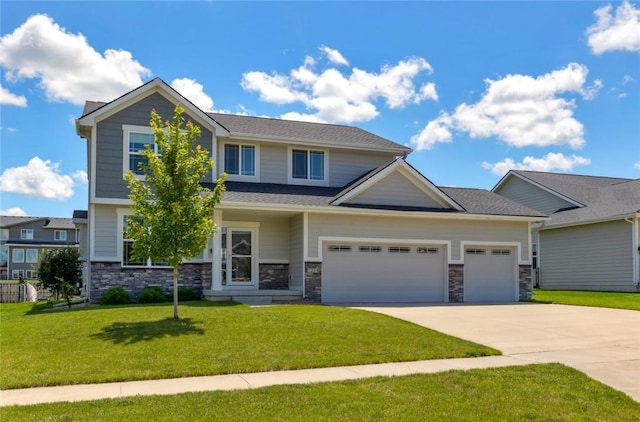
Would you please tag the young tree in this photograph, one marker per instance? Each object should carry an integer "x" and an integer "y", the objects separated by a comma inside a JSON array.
[
  {"x": 60, "y": 270},
  {"x": 174, "y": 211}
]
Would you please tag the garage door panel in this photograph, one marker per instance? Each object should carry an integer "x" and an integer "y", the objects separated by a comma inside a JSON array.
[
  {"x": 380, "y": 274},
  {"x": 489, "y": 274}
]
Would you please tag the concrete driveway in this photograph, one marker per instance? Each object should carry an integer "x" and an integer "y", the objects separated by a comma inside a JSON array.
[{"x": 603, "y": 343}]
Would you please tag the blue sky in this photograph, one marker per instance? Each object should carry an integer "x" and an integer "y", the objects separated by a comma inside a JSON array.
[{"x": 475, "y": 88}]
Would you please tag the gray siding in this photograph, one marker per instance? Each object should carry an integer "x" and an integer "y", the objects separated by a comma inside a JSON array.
[
  {"x": 588, "y": 257},
  {"x": 105, "y": 222},
  {"x": 421, "y": 229},
  {"x": 110, "y": 143},
  {"x": 532, "y": 196},
  {"x": 395, "y": 189},
  {"x": 273, "y": 163},
  {"x": 274, "y": 239},
  {"x": 296, "y": 258},
  {"x": 346, "y": 165}
]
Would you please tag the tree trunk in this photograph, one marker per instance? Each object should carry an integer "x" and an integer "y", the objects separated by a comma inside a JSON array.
[{"x": 175, "y": 293}]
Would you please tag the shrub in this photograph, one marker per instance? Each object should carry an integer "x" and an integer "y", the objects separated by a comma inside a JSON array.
[
  {"x": 186, "y": 294},
  {"x": 151, "y": 295},
  {"x": 115, "y": 296}
]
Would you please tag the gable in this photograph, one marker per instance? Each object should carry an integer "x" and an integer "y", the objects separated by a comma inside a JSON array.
[
  {"x": 399, "y": 188},
  {"x": 532, "y": 196}
]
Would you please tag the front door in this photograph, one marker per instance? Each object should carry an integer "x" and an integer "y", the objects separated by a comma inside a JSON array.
[{"x": 238, "y": 256}]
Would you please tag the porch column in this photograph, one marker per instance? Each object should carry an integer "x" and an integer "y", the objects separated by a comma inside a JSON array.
[{"x": 216, "y": 261}]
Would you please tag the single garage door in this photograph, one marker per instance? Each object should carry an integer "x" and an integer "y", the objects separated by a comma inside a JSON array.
[
  {"x": 378, "y": 273},
  {"x": 489, "y": 274}
]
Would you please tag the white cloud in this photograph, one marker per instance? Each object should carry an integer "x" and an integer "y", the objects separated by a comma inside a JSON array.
[
  {"x": 40, "y": 179},
  {"x": 520, "y": 110},
  {"x": 550, "y": 162},
  {"x": 335, "y": 97},
  {"x": 67, "y": 67},
  {"x": 637, "y": 165},
  {"x": 9, "y": 98},
  {"x": 334, "y": 56},
  {"x": 14, "y": 212},
  {"x": 613, "y": 33},
  {"x": 193, "y": 91},
  {"x": 80, "y": 176}
]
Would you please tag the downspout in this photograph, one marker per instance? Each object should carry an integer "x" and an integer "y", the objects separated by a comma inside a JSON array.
[{"x": 636, "y": 251}]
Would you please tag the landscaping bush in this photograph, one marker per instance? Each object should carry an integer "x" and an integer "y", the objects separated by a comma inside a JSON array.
[
  {"x": 185, "y": 294},
  {"x": 115, "y": 296},
  {"x": 151, "y": 295}
]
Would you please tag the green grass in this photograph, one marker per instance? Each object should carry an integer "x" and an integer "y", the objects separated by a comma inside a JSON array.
[
  {"x": 106, "y": 344},
  {"x": 583, "y": 298},
  {"x": 549, "y": 392}
]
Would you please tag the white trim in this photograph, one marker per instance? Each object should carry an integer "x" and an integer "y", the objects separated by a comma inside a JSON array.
[
  {"x": 254, "y": 228},
  {"x": 256, "y": 164},
  {"x": 305, "y": 236},
  {"x": 635, "y": 250},
  {"x": 374, "y": 212},
  {"x": 111, "y": 201},
  {"x": 378, "y": 240},
  {"x": 126, "y": 131},
  {"x": 92, "y": 170},
  {"x": 492, "y": 243},
  {"x": 276, "y": 261},
  {"x": 586, "y": 222},
  {"x": 308, "y": 182},
  {"x": 216, "y": 261}
]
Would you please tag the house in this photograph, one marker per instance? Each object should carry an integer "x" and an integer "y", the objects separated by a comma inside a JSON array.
[
  {"x": 327, "y": 213},
  {"x": 592, "y": 240},
  {"x": 24, "y": 238}
]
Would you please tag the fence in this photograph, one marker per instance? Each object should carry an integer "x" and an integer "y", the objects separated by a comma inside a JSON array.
[{"x": 15, "y": 292}]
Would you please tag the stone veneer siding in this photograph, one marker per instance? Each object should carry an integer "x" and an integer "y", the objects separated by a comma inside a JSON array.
[
  {"x": 313, "y": 281},
  {"x": 106, "y": 275},
  {"x": 525, "y": 283},
  {"x": 274, "y": 277},
  {"x": 456, "y": 283}
]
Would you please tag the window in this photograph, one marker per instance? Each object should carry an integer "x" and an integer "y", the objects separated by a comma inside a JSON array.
[
  {"x": 16, "y": 274},
  {"x": 427, "y": 250},
  {"x": 308, "y": 165},
  {"x": 370, "y": 249},
  {"x": 501, "y": 252},
  {"x": 60, "y": 235},
  {"x": 127, "y": 249},
  {"x": 399, "y": 249},
  {"x": 339, "y": 248},
  {"x": 32, "y": 256},
  {"x": 4, "y": 254},
  {"x": 26, "y": 234},
  {"x": 135, "y": 139},
  {"x": 4, "y": 234},
  {"x": 475, "y": 251},
  {"x": 31, "y": 274},
  {"x": 240, "y": 160},
  {"x": 17, "y": 255},
  {"x": 534, "y": 255}
]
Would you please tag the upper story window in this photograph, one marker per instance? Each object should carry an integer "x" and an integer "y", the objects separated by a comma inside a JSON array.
[
  {"x": 308, "y": 166},
  {"x": 26, "y": 234},
  {"x": 4, "y": 234},
  {"x": 60, "y": 235},
  {"x": 240, "y": 160},
  {"x": 135, "y": 139}
]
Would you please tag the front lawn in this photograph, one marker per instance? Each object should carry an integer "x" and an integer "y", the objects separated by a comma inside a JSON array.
[
  {"x": 549, "y": 392},
  {"x": 583, "y": 298},
  {"x": 103, "y": 344}
]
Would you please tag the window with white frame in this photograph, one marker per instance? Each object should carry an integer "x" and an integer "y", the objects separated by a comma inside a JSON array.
[
  {"x": 128, "y": 259},
  {"x": 308, "y": 165},
  {"x": 16, "y": 274},
  {"x": 60, "y": 235},
  {"x": 4, "y": 234},
  {"x": 135, "y": 140},
  {"x": 26, "y": 234},
  {"x": 31, "y": 274},
  {"x": 240, "y": 160},
  {"x": 32, "y": 256},
  {"x": 17, "y": 255}
]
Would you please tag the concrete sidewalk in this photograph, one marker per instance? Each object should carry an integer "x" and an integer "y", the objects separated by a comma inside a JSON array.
[{"x": 245, "y": 381}]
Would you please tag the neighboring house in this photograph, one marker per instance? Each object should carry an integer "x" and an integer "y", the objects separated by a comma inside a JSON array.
[
  {"x": 24, "y": 239},
  {"x": 592, "y": 240},
  {"x": 326, "y": 212}
]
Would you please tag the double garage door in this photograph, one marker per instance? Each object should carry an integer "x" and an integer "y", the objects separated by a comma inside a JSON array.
[
  {"x": 379, "y": 273},
  {"x": 387, "y": 273}
]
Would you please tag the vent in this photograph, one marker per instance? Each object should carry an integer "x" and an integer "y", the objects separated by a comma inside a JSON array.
[
  {"x": 399, "y": 249},
  {"x": 370, "y": 249},
  {"x": 339, "y": 248},
  {"x": 476, "y": 251}
]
